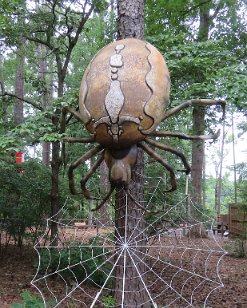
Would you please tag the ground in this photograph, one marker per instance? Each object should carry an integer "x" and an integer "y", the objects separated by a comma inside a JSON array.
[{"x": 17, "y": 270}]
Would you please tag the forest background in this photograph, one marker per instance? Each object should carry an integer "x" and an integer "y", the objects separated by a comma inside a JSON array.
[{"x": 45, "y": 48}]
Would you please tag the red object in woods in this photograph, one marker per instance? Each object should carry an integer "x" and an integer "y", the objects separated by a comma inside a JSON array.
[{"x": 19, "y": 157}]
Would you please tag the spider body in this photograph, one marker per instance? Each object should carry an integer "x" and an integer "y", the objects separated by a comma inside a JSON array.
[{"x": 124, "y": 95}]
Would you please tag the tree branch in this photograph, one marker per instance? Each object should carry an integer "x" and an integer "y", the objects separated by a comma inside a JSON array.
[
  {"x": 73, "y": 41},
  {"x": 219, "y": 6},
  {"x": 4, "y": 93},
  {"x": 196, "y": 6},
  {"x": 2, "y": 88},
  {"x": 39, "y": 41}
]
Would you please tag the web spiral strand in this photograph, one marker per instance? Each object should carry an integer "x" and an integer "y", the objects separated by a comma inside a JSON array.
[{"x": 178, "y": 269}]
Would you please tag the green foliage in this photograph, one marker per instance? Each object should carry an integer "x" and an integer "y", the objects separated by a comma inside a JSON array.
[
  {"x": 215, "y": 68},
  {"x": 100, "y": 5},
  {"x": 9, "y": 15},
  {"x": 227, "y": 194},
  {"x": 24, "y": 198},
  {"x": 78, "y": 262},
  {"x": 109, "y": 301},
  {"x": 31, "y": 301},
  {"x": 242, "y": 185}
]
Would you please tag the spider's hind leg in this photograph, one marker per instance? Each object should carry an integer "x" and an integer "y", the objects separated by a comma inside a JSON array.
[
  {"x": 79, "y": 162},
  {"x": 103, "y": 201},
  {"x": 93, "y": 168},
  {"x": 157, "y": 157}
]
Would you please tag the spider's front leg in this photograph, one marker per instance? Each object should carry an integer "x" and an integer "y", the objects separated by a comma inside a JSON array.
[
  {"x": 77, "y": 163},
  {"x": 194, "y": 102},
  {"x": 184, "y": 136},
  {"x": 78, "y": 116},
  {"x": 157, "y": 157},
  {"x": 73, "y": 112}
]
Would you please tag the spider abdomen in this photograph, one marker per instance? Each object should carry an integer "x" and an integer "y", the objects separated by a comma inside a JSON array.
[{"x": 124, "y": 93}]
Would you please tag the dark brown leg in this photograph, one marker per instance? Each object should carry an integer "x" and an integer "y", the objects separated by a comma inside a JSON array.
[
  {"x": 171, "y": 150},
  {"x": 195, "y": 102},
  {"x": 157, "y": 157},
  {"x": 66, "y": 110},
  {"x": 84, "y": 180},
  {"x": 103, "y": 201},
  {"x": 184, "y": 136},
  {"x": 77, "y": 163}
]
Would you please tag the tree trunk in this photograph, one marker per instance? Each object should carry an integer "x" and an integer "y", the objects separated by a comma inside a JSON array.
[
  {"x": 130, "y": 18},
  {"x": 19, "y": 85},
  {"x": 55, "y": 167},
  {"x": 45, "y": 96},
  {"x": 219, "y": 179},
  {"x": 197, "y": 156},
  {"x": 199, "y": 119},
  {"x": 104, "y": 188},
  {"x": 55, "y": 200},
  {"x": 130, "y": 225},
  {"x": 129, "y": 219},
  {"x": 4, "y": 106},
  {"x": 234, "y": 162}
]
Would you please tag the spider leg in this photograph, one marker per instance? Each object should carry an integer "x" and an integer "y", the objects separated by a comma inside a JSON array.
[
  {"x": 77, "y": 163},
  {"x": 78, "y": 116},
  {"x": 136, "y": 202},
  {"x": 157, "y": 157},
  {"x": 84, "y": 180},
  {"x": 184, "y": 136},
  {"x": 79, "y": 140},
  {"x": 103, "y": 201},
  {"x": 171, "y": 150},
  {"x": 75, "y": 113},
  {"x": 194, "y": 102}
]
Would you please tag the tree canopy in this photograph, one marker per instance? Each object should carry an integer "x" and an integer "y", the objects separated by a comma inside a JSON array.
[{"x": 59, "y": 39}]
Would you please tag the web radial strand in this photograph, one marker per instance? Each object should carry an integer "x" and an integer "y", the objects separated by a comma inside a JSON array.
[{"x": 174, "y": 267}]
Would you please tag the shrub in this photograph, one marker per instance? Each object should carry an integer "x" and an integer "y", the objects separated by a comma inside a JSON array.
[
  {"x": 74, "y": 263},
  {"x": 24, "y": 198},
  {"x": 30, "y": 301}
]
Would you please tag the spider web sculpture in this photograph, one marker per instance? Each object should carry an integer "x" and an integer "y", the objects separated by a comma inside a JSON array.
[
  {"x": 92, "y": 265},
  {"x": 130, "y": 257}
]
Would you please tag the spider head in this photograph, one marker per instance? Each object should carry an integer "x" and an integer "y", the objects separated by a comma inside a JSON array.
[{"x": 119, "y": 163}]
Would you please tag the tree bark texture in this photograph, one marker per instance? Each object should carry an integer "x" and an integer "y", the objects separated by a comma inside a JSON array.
[
  {"x": 130, "y": 19},
  {"x": 197, "y": 156},
  {"x": 199, "y": 119},
  {"x": 45, "y": 96},
  {"x": 129, "y": 218},
  {"x": 219, "y": 178},
  {"x": 55, "y": 200},
  {"x": 4, "y": 107},
  {"x": 130, "y": 225},
  {"x": 104, "y": 218},
  {"x": 19, "y": 85}
]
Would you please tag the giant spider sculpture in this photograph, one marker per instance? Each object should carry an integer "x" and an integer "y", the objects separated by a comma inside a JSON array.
[{"x": 123, "y": 98}]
